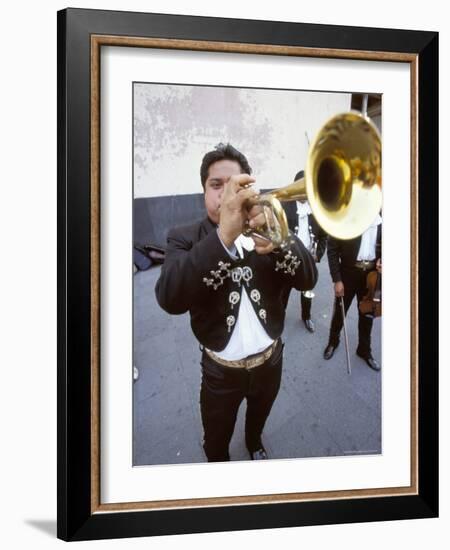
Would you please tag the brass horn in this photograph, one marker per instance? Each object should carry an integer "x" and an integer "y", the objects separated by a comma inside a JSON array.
[{"x": 342, "y": 181}]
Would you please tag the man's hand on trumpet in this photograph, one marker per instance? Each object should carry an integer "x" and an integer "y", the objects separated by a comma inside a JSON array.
[
  {"x": 240, "y": 210},
  {"x": 233, "y": 207},
  {"x": 257, "y": 218}
]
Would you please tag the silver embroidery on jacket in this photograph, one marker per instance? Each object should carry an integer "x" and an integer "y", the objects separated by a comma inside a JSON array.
[
  {"x": 218, "y": 276},
  {"x": 255, "y": 295},
  {"x": 247, "y": 274},
  {"x": 234, "y": 298},
  {"x": 289, "y": 264},
  {"x": 230, "y": 322},
  {"x": 236, "y": 275}
]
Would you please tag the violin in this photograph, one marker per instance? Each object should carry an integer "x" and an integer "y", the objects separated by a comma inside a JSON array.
[{"x": 370, "y": 305}]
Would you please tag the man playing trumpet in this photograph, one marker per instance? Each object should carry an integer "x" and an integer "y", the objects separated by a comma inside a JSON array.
[{"x": 234, "y": 288}]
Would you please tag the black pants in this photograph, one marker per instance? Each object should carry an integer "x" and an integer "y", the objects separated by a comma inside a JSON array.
[
  {"x": 355, "y": 283},
  {"x": 305, "y": 306},
  {"x": 223, "y": 390}
]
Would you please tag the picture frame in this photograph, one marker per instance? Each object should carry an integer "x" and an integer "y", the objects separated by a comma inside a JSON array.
[{"x": 81, "y": 36}]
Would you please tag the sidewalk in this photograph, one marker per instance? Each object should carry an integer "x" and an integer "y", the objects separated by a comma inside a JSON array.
[{"x": 320, "y": 410}]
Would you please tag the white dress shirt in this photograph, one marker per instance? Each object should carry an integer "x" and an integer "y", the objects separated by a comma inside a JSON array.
[
  {"x": 367, "y": 249},
  {"x": 249, "y": 336},
  {"x": 303, "y": 209}
]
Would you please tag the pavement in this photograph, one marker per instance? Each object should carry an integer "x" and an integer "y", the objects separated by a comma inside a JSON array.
[{"x": 320, "y": 410}]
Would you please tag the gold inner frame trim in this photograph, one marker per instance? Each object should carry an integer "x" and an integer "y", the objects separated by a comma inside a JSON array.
[{"x": 97, "y": 41}]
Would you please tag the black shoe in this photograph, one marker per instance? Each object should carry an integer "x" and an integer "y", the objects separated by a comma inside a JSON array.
[
  {"x": 369, "y": 360},
  {"x": 329, "y": 351},
  {"x": 309, "y": 325},
  {"x": 260, "y": 454}
]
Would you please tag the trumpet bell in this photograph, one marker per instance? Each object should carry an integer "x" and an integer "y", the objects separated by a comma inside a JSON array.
[
  {"x": 342, "y": 181},
  {"x": 343, "y": 175}
]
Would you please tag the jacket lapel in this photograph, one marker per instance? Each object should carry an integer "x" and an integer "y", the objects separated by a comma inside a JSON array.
[{"x": 207, "y": 226}]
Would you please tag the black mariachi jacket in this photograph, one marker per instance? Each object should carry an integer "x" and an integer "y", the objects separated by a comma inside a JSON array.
[
  {"x": 199, "y": 276},
  {"x": 343, "y": 254}
]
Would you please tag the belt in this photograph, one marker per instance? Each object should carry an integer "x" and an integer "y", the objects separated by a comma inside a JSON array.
[
  {"x": 365, "y": 265},
  {"x": 249, "y": 362}
]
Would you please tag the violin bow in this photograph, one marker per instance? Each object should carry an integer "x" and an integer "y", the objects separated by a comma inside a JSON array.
[{"x": 349, "y": 367}]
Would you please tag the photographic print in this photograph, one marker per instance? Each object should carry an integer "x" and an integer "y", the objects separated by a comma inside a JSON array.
[{"x": 316, "y": 405}]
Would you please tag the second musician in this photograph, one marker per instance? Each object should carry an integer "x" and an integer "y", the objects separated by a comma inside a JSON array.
[
  {"x": 305, "y": 226},
  {"x": 350, "y": 261}
]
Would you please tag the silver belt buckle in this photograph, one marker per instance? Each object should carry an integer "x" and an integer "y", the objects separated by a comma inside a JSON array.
[
  {"x": 256, "y": 361},
  {"x": 251, "y": 363}
]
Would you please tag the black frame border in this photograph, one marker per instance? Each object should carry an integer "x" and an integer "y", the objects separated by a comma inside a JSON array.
[{"x": 75, "y": 520}]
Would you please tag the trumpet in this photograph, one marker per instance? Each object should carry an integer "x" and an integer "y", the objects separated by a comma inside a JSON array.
[{"x": 342, "y": 181}]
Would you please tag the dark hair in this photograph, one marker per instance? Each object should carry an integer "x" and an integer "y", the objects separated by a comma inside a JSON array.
[
  {"x": 299, "y": 175},
  {"x": 223, "y": 151}
]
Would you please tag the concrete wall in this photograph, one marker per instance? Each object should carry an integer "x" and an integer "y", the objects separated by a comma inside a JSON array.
[{"x": 174, "y": 126}]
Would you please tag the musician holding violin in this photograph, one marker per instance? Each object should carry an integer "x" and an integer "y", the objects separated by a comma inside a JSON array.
[{"x": 353, "y": 264}]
